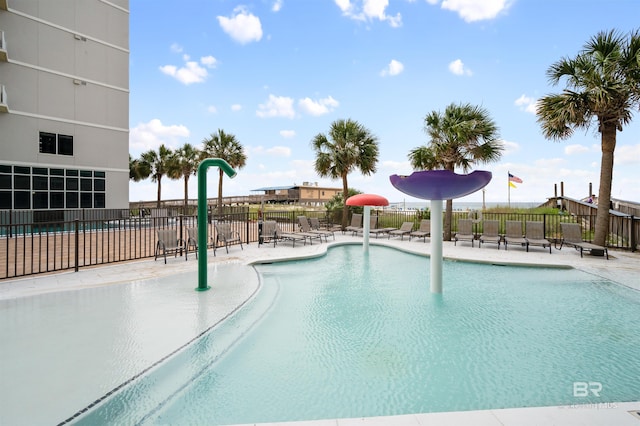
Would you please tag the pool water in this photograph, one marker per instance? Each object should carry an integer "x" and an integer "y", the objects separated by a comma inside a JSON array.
[{"x": 355, "y": 335}]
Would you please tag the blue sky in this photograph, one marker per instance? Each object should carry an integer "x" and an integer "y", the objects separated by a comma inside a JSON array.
[{"x": 277, "y": 72}]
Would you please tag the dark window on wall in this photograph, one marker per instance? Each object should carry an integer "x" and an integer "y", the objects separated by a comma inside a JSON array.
[
  {"x": 21, "y": 182},
  {"x": 85, "y": 185},
  {"x": 99, "y": 201},
  {"x": 72, "y": 184},
  {"x": 72, "y": 200},
  {"x": 98, "y": 185},
  {"x": 22, "y": 200},
  {"x": 86, "y": 200},
  {"x": 5, "y": 181},
  {"x": 56, "y": 184},
  {"x": 40, "y": 200},
  {"x": 56, "y": 200},
  {"x": 41, "y": 183},
  {"x": 47, "y": 143},
  {"x": 65, "y": 145},
  {"x": 5, "y": 200}
]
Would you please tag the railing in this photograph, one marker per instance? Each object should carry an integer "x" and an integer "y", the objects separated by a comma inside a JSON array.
[{"x": 34, "y": 242}]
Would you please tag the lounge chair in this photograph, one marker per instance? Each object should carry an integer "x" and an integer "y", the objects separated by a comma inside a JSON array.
[
  {"x": 305, "y": 226},
  {"x": 490, "y": 233},
  {"x": 168, "y": 242},
  {"x": 514, "y": 235},
  {"x": 315, "y": 225},
  {"x": 404, "y": 229},
  {"x": 356, "y": 224},
  {"x": 279, "y": 235},
  {"x": 269, "y": 233},
  {"x": 192, "y": 241},
  {"x": 572, "y": 236},
  {"x": 423, "y": 231},
  {"x": 226, "y": 236},
  {"x": 465, "y": 231},
  {"x": 534, "y": 234}
]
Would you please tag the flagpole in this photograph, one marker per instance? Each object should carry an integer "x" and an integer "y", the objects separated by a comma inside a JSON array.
[{"x": 508, "y": 189}]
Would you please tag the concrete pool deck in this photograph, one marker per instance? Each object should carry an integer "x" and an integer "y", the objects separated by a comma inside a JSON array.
[{"x": 228, "y": 293}]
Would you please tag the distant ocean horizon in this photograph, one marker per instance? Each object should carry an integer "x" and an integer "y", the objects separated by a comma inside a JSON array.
[{"x": 464, "y": 205}]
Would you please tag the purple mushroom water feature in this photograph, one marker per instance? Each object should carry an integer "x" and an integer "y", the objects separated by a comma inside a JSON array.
[
  {"x": 366, "y": 200},
  {"x": 438, "y": 185}
]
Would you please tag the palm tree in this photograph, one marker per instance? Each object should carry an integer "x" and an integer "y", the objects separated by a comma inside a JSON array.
[
  {"x": 225, "y": 146},
  {"x": 602, "y": 90},
  {"x": 348, "y": 146},
  {"x": 182, "y": 164},
  {"x": 460, "y": 137},
  {"x": 157, "y": 163},
  {"x": 138, "y": 169}
]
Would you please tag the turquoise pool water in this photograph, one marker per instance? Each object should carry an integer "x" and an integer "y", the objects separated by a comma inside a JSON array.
[{"x": 349, "y": 335}]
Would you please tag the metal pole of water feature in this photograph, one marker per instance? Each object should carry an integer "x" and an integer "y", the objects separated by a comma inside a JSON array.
[
  {"x": 202, "y": 215},
  {"x": 366, "y": 228},
  {"x": 436, "y": 246}
]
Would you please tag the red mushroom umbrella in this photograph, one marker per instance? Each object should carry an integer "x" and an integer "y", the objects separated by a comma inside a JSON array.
[{"x": 367, "y": 200}]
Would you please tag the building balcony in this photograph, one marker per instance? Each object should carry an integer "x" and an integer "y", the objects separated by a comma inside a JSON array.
[{"x": 4, "y": 105}]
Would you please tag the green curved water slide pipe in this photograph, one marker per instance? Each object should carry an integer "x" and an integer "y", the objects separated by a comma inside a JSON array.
[{"x": 202, "y": 215}]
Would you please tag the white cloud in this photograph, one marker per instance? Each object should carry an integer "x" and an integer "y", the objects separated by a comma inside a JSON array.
[
  {"x": 628, "y": 154},
  {"x": 394, "y": 68},
  {"x": 151, "y": 135},
  {"x": 319, "y": 107},
  {"x": 368, "y": 10},
  {"x": 212, "y": 109},
  {"x": 458, "y": 68},
  {"x": 276, "y": 106},
  {"x": 476, "y": 10},
  {"x": 209, "y": 61},
  {"x": 236, "y": 107},
  {"x": 277, "y": 5},
  {"x": 288, "y": 134},
  {"x": 575, "y": 149},
  {"x": 176, "y": 48},
  {"x": 509, "y": 147},
  {"x": 242, "y": 26},
  {"x": 527, "y": 104},
  {"x": 191, "y": 72}
]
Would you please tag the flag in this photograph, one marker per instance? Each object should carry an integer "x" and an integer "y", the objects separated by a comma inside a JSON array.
[
  {"x": 512, "y": 185},
  {"x": 513, "y": 178}
]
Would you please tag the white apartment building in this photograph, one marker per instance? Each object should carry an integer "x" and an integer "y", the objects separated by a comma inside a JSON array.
[{"x": 64, "y": 104}]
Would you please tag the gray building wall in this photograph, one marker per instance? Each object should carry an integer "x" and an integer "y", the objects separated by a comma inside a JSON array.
[{"x": 66, "y": 72}]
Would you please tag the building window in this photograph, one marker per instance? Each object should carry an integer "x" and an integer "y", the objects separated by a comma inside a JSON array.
[
  {"x": 47, "y": 143},
  {"x": 65, "y": 145},
  {"x": 24, "y": 187}
]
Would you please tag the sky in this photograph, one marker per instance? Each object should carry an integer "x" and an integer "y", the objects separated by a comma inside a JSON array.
[{"x": 275, "y": 73}]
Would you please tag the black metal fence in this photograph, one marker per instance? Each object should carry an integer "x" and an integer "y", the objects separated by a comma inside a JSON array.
[{"x": 33, "y": 242}]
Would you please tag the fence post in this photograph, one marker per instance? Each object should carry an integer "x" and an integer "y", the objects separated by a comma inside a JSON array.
[
  {"x": 633, "y": 233},
  {"x": 77, "y": 250},
  {"x": 247, "y": 226}
]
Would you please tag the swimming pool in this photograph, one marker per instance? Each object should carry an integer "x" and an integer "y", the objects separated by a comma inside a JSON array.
[{"x": 350, "y": 335}]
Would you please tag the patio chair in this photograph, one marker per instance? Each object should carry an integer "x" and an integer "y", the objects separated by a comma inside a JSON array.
[
  {"x": 356, "y": 224},
  {"x": 305, "y": 226},
  {"x": 404, "y": 229},
  {"x": 423, "y": 231},
  {"x": 192, "y": 241},
  {"x": 279, "y": 235},
  {"x": 514, "y": 235},
  {"x": 269, "y": 233},
  {"x": 534, "y": 234},
  {"x": 465, "y": 231},
  {"x": 168, "y": 242},
  {"x": 315, "y": 225},
  {"x": 226, "y": 236},
  {"x": 572, "y": 236},
  {"x": 490, "y": 233}
]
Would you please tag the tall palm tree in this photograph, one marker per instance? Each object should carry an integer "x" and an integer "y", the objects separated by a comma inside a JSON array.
[
  {"x": 460, "y": 137},
  {"x": 602, "y": 90},
  {"x": 138, "y": 169},
  {"x": 225, "y": 146},
  {"x": 348, "y": 146},
  {"x": 182, "y": 164},
  {"x": 156, "y": 162}
]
